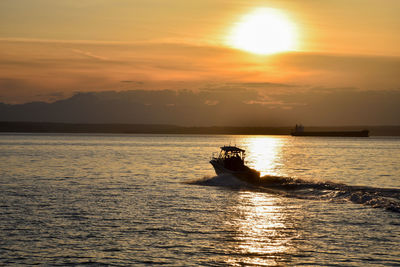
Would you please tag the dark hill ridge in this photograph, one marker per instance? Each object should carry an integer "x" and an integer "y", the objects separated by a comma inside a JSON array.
[
  {"x": 238, "y": 107},
  {"x": 132, "y": 107},
  {"x": 48, "y": 127}
]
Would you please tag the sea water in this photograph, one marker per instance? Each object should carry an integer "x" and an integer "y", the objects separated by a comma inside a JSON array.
[{"x": 155, "y": 200}]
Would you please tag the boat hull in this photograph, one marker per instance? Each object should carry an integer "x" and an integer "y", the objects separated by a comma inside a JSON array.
[{"x": 248, "y": 174}]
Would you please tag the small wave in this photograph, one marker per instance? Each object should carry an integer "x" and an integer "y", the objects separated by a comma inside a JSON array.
[
  {"x": 385, "y": 198},
  {"x": 374, "y": 198}
]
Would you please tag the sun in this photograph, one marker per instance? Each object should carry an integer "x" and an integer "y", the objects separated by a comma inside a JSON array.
[{"x": 264, "y": 31}]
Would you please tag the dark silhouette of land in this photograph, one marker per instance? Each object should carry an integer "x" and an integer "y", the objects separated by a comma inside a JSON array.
[
  {"x": 213, "y": 107},
  {"x": 170, "y": 112},
  {"x": 48, "y": 127}
]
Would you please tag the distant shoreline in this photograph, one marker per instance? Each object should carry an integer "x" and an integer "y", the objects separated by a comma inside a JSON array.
[{"x": 53, "y": 127}]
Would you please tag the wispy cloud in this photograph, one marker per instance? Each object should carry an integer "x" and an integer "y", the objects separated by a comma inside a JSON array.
[
  {"x": 89, "y": 54},
  {"x": 260, "y": 84}
]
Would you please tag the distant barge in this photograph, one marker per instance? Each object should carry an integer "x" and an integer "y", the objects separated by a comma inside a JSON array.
[{"x": 299, "y": 131}]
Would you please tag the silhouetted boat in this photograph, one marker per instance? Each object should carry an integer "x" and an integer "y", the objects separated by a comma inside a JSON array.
[
  {"x": 231, "y": 160},
  {"x": 299, "y": 131}
]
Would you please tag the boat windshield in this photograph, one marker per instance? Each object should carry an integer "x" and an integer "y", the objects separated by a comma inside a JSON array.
[{"x": 232, "y": 152}]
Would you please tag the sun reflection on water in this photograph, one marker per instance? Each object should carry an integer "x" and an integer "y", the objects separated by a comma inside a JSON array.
[
  {"x": 264, "y": 154},
  {"x": 261, "y": 232}
]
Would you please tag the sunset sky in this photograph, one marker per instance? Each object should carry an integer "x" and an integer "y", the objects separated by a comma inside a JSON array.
[{"x": 50, "y": 50}]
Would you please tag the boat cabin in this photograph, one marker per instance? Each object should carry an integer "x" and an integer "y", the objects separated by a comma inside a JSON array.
[{"x": 232, "y": 157}]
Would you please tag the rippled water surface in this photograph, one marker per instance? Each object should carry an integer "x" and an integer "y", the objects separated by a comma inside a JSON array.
[{"x": 155, "y": 199}]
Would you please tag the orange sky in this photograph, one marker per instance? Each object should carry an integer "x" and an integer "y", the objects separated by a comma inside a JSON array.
[{"x": 51, "y": 49}]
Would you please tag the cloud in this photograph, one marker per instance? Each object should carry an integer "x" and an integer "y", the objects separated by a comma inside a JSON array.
[
  {"x": 46, "y": 66},
  {"x": 367, "y": 72},
  {"x": 134, "y": 82},
  {"x": 260, "y": 85},
  {"x": 89, "y": 55},
  {"x": 11, "y": 83},
  {"x": 211, "y": 102}
]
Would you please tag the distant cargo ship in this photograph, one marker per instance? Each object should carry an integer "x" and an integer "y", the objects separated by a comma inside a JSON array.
[{"x": 299, "y": 131}]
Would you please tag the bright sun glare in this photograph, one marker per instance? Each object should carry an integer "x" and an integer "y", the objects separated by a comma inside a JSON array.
[{"x": 264, "y": 31}]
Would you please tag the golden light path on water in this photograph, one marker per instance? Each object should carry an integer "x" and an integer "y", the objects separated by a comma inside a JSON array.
[
  {"x": 264, "y": 154},
  {"x": 262, "y": 230}
]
